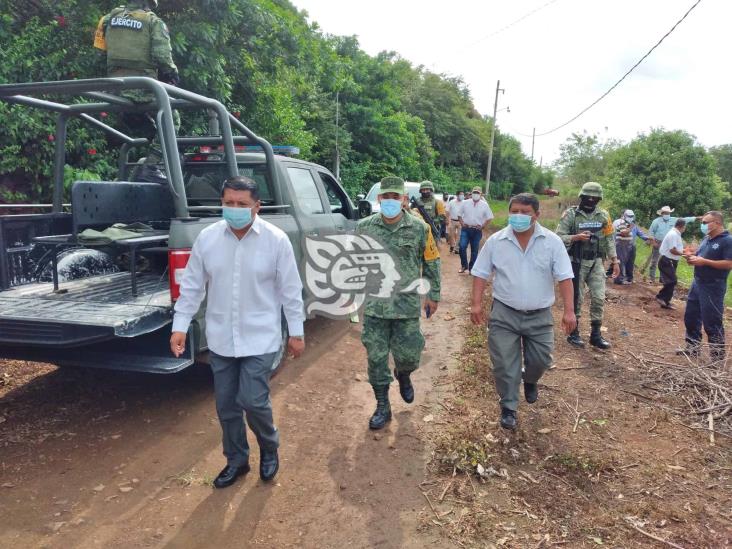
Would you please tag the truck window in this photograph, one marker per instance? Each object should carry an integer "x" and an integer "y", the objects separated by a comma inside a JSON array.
[
  {"x": 203, "y": 181},
  {"x": 306, "y": 190},
  {"x": 336, "y": 197}
]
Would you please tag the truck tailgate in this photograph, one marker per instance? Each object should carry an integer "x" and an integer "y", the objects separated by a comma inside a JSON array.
[{"x": 88, "y": 310}]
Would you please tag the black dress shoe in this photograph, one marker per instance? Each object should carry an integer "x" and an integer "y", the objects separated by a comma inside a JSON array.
[
  {"x": 269, "y": 464},
  {"x": 406, "y": 389},
  {"x": 229, "y": 474},
  {"x": 531, "y": 392},
  {"x": 508, "y": 419}
]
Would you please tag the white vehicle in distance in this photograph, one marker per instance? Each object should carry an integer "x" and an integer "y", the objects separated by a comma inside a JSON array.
[{"x": 371, "y": 197}]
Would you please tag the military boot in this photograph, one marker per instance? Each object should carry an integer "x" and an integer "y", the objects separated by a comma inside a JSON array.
[
  {"x": 382, "y": 415},
  {"x": 575, "y": 339},
  {"x": 406, "y": 389},
  {"x": 596, "y": 339}
]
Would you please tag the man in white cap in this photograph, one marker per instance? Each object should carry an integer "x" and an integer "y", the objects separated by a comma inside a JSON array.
[
  {"x": 658, "y": 231},
  {"x": 626, "y": 232}
]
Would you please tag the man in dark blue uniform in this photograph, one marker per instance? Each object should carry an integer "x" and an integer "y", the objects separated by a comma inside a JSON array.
[{"x": 705, "y": 304}]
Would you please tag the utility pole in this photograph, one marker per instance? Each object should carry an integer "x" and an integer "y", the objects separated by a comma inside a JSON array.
[
  {"x": 493, "y": 138},
  {"x": 533, "y": 137}
]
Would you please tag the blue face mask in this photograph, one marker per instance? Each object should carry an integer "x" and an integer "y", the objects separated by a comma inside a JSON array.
[
  {"x": 238, "y": 218},
  {"x": 704, "y": 229},
  {"x": 519, "y": 222},
  {"x": 390, "y": 207},
  {"x": 666, "y": 217}
]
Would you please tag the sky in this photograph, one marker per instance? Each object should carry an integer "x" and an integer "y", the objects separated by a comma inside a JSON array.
[{"x": 560, "y": 59}]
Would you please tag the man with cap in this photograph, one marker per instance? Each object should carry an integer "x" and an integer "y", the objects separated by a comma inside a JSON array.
[
  {"x": 475, "y": 215},
  {"x": 587, "y": 232},
  {"x": 433, "y": 207},
  {"x": 658, "y": 230},
  {"x": 391, "y": 325},
  {"x": 626, "y": 231},
  {"x": 712, "y": 263}
]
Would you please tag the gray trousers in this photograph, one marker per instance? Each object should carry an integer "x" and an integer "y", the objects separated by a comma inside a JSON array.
[
  {"x": 241, "y": 386},
  {"x": 517, "y": 339},
  {"x": 655, "y": 256}
]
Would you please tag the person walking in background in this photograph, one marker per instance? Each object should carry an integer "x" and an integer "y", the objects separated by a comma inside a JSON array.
[
  {"x": 671, "y": 250},
  {"x": 525, "y": 260},
  {"x": 587, "y": 232},
  {"x": 657, "y": 231},
  {"x": 626, "y": 231},
  {"x": 712, "y": 263},
  {"x": 443, "y": 221},
  {"x": 452, "y": 214},
  {"x": 246, "y": 269},
  {"x": 475, "y": 215}
]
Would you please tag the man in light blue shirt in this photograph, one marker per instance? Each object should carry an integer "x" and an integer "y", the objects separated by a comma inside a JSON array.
[
  {"x": 525, "y": 260},
  {"x": 658, "y": 231}
]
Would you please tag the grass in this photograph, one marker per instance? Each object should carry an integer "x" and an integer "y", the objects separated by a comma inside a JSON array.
[{"x": 684, "y": 272}]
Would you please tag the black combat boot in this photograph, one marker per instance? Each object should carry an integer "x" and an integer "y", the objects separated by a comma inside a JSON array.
[
  {"x": 575, "y": 339},
  {"x": 382, "y": 415},
  {"x": 596, "y": 339},
  {"x": 406, "y": 389}
]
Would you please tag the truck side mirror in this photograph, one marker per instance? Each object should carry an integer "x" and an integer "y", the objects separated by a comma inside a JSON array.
[
  {"x": 364, "y": 208},
  {"x": 360, "y": 196}
]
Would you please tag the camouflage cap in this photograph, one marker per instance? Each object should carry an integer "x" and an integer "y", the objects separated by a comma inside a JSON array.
[
  {"x": 591, "y": 189},
  {"x": 427, "y": 185},
  {"x": 392, "y": 184}
]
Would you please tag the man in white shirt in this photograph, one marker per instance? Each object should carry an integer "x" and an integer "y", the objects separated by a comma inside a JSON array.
[
  {"x": 474, "y": 215},
  {"x": 246, "y": 268},
  {"x": 453, "y": 221},
  {"x": 525, "y": 260},
  {"x": 671, "y": 250}
]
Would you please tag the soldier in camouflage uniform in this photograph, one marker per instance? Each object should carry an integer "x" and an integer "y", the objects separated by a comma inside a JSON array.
[
  {"x": 137, "y": 43},
  {"x": 587, "y": 232},
  {"x": 392, "y": 325},
  {"x": 434, "y": 208}
]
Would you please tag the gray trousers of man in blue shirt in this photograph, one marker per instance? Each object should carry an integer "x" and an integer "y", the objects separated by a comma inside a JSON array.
[
  {"x": 517, "y": 339},
  {"x": 241, "y": 386}
]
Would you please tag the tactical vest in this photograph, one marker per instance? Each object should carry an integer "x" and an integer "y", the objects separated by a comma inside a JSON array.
[
  {"x": 597, "y": 246},
  {"x": 129, "y": 37}
]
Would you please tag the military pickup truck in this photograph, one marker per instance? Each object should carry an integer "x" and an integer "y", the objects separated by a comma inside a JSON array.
[{"x": 105, "y": 302}]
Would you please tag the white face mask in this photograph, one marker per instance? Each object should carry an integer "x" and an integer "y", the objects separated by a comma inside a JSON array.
[{"x": 476, "y": 196}]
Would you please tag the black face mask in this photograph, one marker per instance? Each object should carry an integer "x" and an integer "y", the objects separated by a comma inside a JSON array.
[
  {"x": 426, "y": 194},
  {"x": 588, "y": 203}
]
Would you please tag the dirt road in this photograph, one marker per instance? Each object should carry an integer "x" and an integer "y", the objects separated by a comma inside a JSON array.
[{"x": 100, "y": 459}]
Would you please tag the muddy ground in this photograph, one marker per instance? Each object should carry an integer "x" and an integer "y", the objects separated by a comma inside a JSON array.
[{"x": 99, "y": 459}]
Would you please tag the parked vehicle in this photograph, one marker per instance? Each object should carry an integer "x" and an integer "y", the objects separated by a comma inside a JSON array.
[{"x": 73, "y": 301}]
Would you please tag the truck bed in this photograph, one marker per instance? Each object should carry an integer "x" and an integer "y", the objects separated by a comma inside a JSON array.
[{"x": 87, "y": 310}]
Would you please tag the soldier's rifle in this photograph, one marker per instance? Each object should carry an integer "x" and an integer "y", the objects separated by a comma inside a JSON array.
[{"x": 426, "y": 217}]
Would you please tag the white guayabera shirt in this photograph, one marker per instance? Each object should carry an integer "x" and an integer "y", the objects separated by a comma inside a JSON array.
[{"x": 247, "y": 282}]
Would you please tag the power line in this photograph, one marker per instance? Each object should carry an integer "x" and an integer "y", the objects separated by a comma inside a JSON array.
[
  {"x": 506, "y": 27},
  {"x": 604, "y": 95}
]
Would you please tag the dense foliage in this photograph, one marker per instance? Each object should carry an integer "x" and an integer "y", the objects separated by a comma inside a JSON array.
[
  {"x": 281, "y": 74},
  {"x": 664, "y": 168}
]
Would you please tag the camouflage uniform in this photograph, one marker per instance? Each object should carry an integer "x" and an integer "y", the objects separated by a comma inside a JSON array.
[
  {"x": 392, "y": 325},
  {"x": 434, "y": 208},
  {"x": 588, "y": 257},
  {"x": 137, "y": 43}
]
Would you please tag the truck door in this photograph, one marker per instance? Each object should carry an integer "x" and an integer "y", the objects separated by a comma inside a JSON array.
[
  {"x": 341, "y": 207},
  {"x": 309, "y": 197}
]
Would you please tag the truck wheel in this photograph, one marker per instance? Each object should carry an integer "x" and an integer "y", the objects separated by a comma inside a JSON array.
[{"x": 281, "y": 354}]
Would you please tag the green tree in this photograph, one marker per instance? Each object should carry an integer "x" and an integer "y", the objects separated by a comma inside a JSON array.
[
  {"x": 583, "y": 158},
  {"x": 663, "y": 167}
]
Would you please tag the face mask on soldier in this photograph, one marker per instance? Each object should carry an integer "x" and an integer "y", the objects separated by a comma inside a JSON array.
[
  {"x": 588, "y": 203},
  {"x": 425, "y": 194}
]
